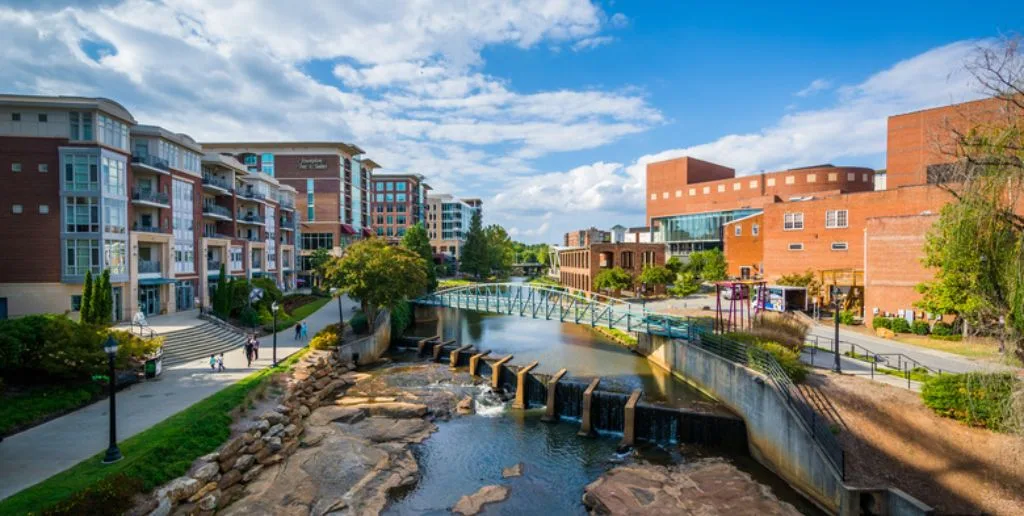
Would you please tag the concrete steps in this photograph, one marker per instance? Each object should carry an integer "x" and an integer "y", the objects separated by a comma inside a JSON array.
[{"x": 199, "y": 342}]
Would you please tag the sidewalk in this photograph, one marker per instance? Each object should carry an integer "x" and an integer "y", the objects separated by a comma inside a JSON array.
[
  {"x": 36, "y": 454},
  {"x": 826, "y": 360}
]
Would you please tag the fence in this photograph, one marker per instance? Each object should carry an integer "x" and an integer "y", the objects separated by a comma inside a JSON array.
[{"x": 763, "y": 362}]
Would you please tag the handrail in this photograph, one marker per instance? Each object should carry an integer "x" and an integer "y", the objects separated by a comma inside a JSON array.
[{"x": 903, "y": 361}]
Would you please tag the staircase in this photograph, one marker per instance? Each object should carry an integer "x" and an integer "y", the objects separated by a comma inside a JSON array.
[{"x": 199, "y": 342}]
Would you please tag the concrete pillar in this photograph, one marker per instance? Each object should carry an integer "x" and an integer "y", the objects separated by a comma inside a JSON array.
[
  {"x": 474, "y": 362},
  {"x": 496, "y": 371},
  {"x": 585, "y": 427},
  {"x": 549, "y": 411},
  {"x": 438, "y": 347},
  {"x": 423, "y": 343},
  {"x": 629, "y": 416},
  {"x": 521, "y": 402},
  {"x": 454, "y": 361}
]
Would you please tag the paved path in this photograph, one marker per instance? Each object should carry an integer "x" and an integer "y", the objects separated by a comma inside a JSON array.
[
  {"x": 36, "y": 454},
  {"x": 825, "y": 360}
]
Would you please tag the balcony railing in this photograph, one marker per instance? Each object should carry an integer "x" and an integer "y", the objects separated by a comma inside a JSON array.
[
  {"x": 251, "y": 218},
  {"x": 287, "y": 223},
  {"x": 151, "y": 196},
  {"x": 252, "y": 238},
  {"x": 249, "y": 194},
  {"x": 286, "y": 203},
  {"x": 212, "y": 180},
  {"x": 152, "y": 161},
  {"x": 214, "y": 209},
  {"x": 145, "y": 228},
  {"x": 214, "y": 234},
  {"x": 213, "y": 265},
  {"x": 149, "y": 266}
]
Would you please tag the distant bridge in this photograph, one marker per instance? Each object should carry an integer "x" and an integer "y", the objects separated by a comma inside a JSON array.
[{"x": 550, "y": 303}]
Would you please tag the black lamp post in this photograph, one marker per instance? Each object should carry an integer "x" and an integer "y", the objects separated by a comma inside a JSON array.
[
  {"x": 113, "y": 453},
  {"x": 341, "y": 315},
  {"x": 835, "y": 308},
  {"x": 273, "y": 308}
]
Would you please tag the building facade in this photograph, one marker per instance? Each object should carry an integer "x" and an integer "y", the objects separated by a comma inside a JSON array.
[
  {"x": 587, "y": 237},
  {"x": 399, "y": 202},
  {"x": 578, "y": 266},
  {"x": 448, "y": 221}
]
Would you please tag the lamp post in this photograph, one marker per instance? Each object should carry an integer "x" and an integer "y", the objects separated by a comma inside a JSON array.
[
  {"x": 113, "y": 453},
  {"x": 341, "y": 315},
  {"x": 835, "y": 309},
  {"x": 273, "y": 308}
]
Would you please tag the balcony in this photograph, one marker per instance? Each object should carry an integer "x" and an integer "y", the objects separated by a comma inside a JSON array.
[
  {"x": 211, "y": 182},
  {"x": 146, "y": 228},
  {"x": 251, "y": 218},
  {"x": 149, "y": 267},
  {"x": 255, "y": 196},
  {"x": 251, "y": 238},
  {"x": 150, "y": 198},
  {"x": 214, "y": 234},
  {"x": 152, "y": 164},
  {"x": 213, "y": 265},
  {"x": 286, "y": 204},
  {"x": 287, "y": 224},
  {"x": 216, "y": 212}
]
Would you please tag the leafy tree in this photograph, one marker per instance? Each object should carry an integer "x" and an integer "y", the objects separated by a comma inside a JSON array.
[
  {"x": 417, "y": 241},
  {"x": 613, "y": 280},
  {"x": 686, "y": 283},
  {"x": 222, "y": 294},
  {"x": 85, "y": 310},
  {"x": 500, "y": 252},
  {"x": 656, "y": 275},
  {"x": 474, "y": 259},
  {"x": 317, "y": 262},
  {"x": 378, "y": 275},
  {"x": 709, "y": 265},
  {"x": 675, "y": 265}
]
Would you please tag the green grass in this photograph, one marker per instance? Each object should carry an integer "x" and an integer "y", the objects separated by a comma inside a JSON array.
[
  {"x": 617, "y": 335},
  {"x": 156, "y": 455},
  {"x": 300, "y": 313},
  {"x": 449, "y": 283},
  {"x": 544, "y": 281},
  {"x": 917, "y": 374},
  {"x": 23, "y": 410}
]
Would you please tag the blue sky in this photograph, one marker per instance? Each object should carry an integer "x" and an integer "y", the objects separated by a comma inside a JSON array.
[{"x": 547, "y": 109}]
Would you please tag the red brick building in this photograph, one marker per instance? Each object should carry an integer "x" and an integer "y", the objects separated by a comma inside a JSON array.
[
  {"x": 399, "y": 202},
  {"x": 579, "y": 266}
]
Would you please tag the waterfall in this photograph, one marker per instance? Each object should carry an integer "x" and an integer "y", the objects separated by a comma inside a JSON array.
[
  {"x": 608, "y": 409},
  {"x": 656, "y": 424},
  {"x": 569, "y": 399},
  {"x": 537, "y": 390}
]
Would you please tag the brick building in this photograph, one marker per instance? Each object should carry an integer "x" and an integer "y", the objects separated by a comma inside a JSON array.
[
  {"x": 585, "y": 237},
  {"x": 744, "y": 247},
  {"x": 893, "y": 250},
  {"x": 578, "y": 266},
  {"x": 399, "y": 202}
]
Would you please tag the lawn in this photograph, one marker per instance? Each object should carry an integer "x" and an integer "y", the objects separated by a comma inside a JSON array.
[
  {"x": 299, "y": 307},
  {"x": 163, "y": 452},
  {"x": 21, "y": 410},
  {"x": 973, "y": 347}
]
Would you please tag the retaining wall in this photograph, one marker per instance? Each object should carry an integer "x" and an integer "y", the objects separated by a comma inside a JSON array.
[{"x": 368, "y": 349}]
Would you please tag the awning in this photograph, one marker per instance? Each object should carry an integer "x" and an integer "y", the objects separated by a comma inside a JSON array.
[
  {"x": 154, "y": 281},
  {"x": 347, "y": 229},
  {"x": 367, "y": 232}
]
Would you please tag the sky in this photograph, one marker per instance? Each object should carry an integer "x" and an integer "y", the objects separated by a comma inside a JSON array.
[{"x": 549, "y": 110}]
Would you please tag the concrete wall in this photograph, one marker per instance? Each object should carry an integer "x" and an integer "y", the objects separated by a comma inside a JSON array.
[{"x": 370, "y": 347}]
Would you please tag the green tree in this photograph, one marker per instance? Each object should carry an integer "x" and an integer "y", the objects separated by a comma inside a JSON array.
[
  {"x": 708, "y": 265},
  {"x": 500, "y": 251},
  {"x": 104, "y": 300},
  {"x": 656, "y": 275},
  {"x": 686, "y": 283},
  {"x": 222, "y": 294},
  {"x": 474, "y": 259},
  {"x": 417, "y": 241},
  {"x": 85, "y": 310},
  {"x": 377, "y": 275},
  {"x": 318, "y": 260},
  {"x": 675, "y": 265},
  {"x": 613, "y": 280}
]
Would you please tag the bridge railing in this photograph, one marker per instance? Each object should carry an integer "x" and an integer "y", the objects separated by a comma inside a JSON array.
[{"x": 764, "y": 362}]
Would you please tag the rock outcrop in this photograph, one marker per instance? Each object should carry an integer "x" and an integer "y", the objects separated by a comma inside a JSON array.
[{"x": 471, "y": 504}]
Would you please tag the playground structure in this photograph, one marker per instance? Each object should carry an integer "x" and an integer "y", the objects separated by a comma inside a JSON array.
[
  {"x": 851, "y": 286},
  {"x": 742, "y": 309}
]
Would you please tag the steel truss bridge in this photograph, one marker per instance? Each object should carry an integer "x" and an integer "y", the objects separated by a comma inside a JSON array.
[{"x": 551, "y": 303}]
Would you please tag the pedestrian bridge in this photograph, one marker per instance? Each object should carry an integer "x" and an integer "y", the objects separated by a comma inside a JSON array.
[{"x": 552, "y": 303}]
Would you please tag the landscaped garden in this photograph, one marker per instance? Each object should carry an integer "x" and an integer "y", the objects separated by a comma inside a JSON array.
[{"x": 231, "y": 302}]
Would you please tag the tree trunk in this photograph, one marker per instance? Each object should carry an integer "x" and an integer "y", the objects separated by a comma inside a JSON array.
[{"x": 371, "y": 315}]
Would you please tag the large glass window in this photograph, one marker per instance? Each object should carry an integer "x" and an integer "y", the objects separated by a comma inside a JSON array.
[
  {"x": 309, "y": 200},
  {"x": 400, "y": 187},
  {"x": 400, "y": 197},
  {"x": 80, "y": 125},
  {"x": 184, "y": 233},
  {"x": 81, "y": 215},
  {"x": 698, "y": 227},
  {"x": 115, "y": 216},
  {"x": 81, "y": 256},
  {"x": 113, "y": 177},
  {"x": 112, "y": 132},
  {"x": 81, "y": 172},
  {"x": 267, "y": 163},
  {"x": 313, "y": 241},
  {"x": 114, "y": 257}
]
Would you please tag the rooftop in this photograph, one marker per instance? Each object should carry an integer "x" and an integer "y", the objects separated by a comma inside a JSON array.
[{"x": 61, "y": 101}]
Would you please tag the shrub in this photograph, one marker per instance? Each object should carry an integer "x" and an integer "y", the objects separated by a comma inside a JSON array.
[
  {"x": 920, "y": 328},
  {"x": 977, "y": 399},
  {"x": 113, "y": 495},
  {"x": 900, "y": 325},
  {"x": 249, "y": 317},
  {"x": 270, "y": 291},
  {"x": 788, "y": 359},
  {"x": 329, "y": 337},
  {"x": 942, "y": 329},
  {"x": 782, "y": 329},
  {"x": 131, "y": 347},
  {"x": 359, "y": 324},
  {"x": 266, "y": 318},
  {"x": 881, "y": 322},
  {"x": 846, "y": 317},
  {"x": 401, "y": 318}
]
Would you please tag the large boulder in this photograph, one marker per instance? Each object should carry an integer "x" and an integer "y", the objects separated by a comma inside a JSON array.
[
  {"x": 471, "y": 504},
  {"x": 512, "y": 471},
  {"x": 206, "y": 472},
  {"x": 179, "y": 489},
  {"x": 397, "y": 409}
]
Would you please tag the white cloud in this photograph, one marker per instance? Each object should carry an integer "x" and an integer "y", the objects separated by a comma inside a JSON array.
[
  {"x": 814, "y": 87},
  {"x": 591, "y": 43},
  {"x": 852, "y": 132}
]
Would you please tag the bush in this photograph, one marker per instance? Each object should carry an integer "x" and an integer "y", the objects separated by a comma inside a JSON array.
[
  {"x": 846, "y": 317},
  {"x": 942, "y": 329},
  {"x": 329, "y": 337},
  {"x": 782, "y": 329},
  {"x": 266, "y": 318},
  {"x": 113, "y": 495},
  {"x": 401, "y": 318},
  {"x": 359, "y": 324},
  {"x": 881, "y": 322},
  {"x": 977, "y": 399},
  {"x": 788, "y": 359},
  {"x": 249, "y": 317},
  {"x": 900, "y": 325},
  {"x": 920, "y": 328},
  {"x": 131, "y": 347}
]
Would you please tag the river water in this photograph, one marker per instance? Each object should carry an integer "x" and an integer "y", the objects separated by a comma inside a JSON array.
[{"x": 469, "y": 452}]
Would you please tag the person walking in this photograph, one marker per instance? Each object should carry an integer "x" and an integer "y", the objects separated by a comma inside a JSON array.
[
  {"x": 213, "y": 363},
  {"x": 305, "y": 330},
  {"x": 255, "y": 348},
  {"x": 220, "y": 363},
  {"x": 248, "y": 353},
  {"x": 298, "y": 331}
]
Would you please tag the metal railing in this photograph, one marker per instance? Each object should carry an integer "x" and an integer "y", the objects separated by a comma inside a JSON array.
[
  {"x": 214, "y": 209},
  {"x": 213, "y": 265},
  {"x": 250, "y": 194},
  {"x": 217, "y": 182},
  {"x": 145, "y": 228},
  {"x": 895, "y": 361},
  {"x": 763, "y": 362},
  {"x": 149, "y": 266},
  {"x": 150, "y": 196},
  {"x": 251, "y": 218},
  {"x": 152, "y": 161},
  {"x": 286, "y": 203}
]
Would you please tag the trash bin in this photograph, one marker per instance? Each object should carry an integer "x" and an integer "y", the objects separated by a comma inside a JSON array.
[{"x": 154, "y": 366}]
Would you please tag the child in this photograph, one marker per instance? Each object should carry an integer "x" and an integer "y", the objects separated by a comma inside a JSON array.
[
  {"x": 298, "y": 331},
  {"x": 220, "y": 363},
  {"x": 305, "y": 329},
  {"x": 213, "y": 363}
]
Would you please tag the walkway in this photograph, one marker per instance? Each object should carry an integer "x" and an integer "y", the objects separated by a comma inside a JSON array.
[
  {"x": 36, "y": 454},
  {"x": 825, "y": 360}
]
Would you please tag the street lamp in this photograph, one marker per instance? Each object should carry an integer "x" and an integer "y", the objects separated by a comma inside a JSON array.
[
  {"x": 273, "y": 308},
  {"x": 341, "y": 315},
  {"x": 835, "y": 308},
  {"x": 113, "y": 453}
]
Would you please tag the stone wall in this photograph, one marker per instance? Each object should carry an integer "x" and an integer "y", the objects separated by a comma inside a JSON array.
[{"x": 368, "y": 349}]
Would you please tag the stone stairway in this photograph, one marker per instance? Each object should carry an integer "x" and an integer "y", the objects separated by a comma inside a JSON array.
[{"x": 199, "y": 342}]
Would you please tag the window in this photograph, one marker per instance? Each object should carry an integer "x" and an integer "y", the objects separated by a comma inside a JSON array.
[
  {"x": 43, "y": 167},
  {"x": 753, "y": 184},
  {"x": 15, "y": 117},
  {"x": 654, "y": 196},
  {"x": 739, "y": 230},
  {"x": 379, "y": 197},
  {"x": 15, "y": 167},
  {"x": 812, "y": 178},
  {"x": 16, "y": 209},
  {"x": 736, "y": 186},
  {"x": 840, "y": 246},
  {"x": 864, "y": 178},
  {"x": 679, "y": 193},
  {"x": 693, "y": 191},
  {"x": 81, "y": 215},
  {"x": 114, "y": 133},
  {"x": 42, "y": 117},
  {"x": 721, "y": 188},
  {"x": 115, "y": 215},
  {"x": 664, "y": 195},
  {"x": 400, "y": 197},
  {"x": 81, "y": 172},
  {"x": 796, "y": 247},
  {"x": 833, "y": 177},
  {"x": 706, "y": 190},
  {"x": 850, "y": 176},
  {"x": 44, "y": 209},
  {"x": 81, "y": 125},
  {"x": 399, "y": 187},
  {"x": 836, "y": 219},
  {"x": 793, "y": 221},
  {"x": 76, "y": 302},
  {"x": 114, "y": 257},
  {"x": 379, "y": 186},
  {"x": 390, "y": 186},
  {"x": 309, "y": 200},
  {"x": 184, "y": 226},
  {"x": 770, "y": 181},
  {"x": 81, "y": 256},
  {"x": 267, "y": 163},
  {"x": 754, "y": 229},
  {"x": 113, "y": 177},
  {"x": 313, "y": 241}
]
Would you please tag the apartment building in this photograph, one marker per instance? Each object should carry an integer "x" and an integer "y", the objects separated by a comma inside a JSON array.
[
  {"x": 399, "y": 202},
  {"x": 448, "y": 221},
  {"x": 331, "y": 187},
  {"x": 578, "y": 266}
]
